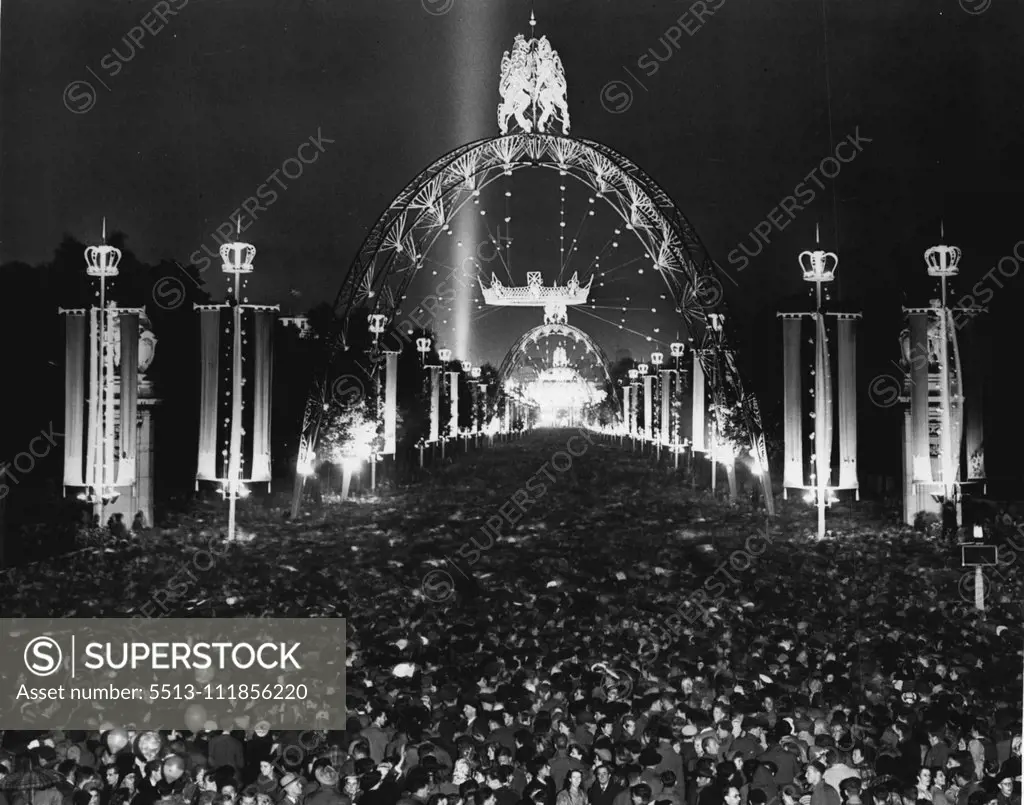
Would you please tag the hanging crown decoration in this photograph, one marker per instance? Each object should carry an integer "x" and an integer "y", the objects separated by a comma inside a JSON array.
[
  {"x": 532, "y": 82},
  {"x": 534, "y": 293}
]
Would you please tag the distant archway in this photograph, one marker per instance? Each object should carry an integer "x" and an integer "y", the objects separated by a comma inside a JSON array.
[{"x": 393, "y": 252}]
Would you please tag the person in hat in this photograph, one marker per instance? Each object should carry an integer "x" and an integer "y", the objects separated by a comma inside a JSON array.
[
  {"x": 1009, "y": 791},
  {"x": 292, "y": 786},
  {"x": 327, "y": 792},
  {"x": 706, "y": 791}
]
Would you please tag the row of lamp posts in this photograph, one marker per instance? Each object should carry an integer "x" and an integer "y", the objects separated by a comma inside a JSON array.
[
  {"x": 447, "y": 372},
  {"x": 668, "y": 426}
]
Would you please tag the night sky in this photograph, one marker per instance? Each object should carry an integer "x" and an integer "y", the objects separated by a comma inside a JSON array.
[{"x": 728, "y": 116}]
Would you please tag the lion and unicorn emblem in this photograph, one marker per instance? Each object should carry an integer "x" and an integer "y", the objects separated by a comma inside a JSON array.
[{"x": 532, "y": 76}]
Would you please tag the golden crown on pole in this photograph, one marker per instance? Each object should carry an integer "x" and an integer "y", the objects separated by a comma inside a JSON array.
[
  {"x": 445, "y": 355},
  {"x": 237, "y": 257},
  {"x": 102, "y": 261},
  {"x": 942, "y": 261},
  {"x": 819, "y": 266},
  {"x": 657, "y": 358},
  {"x": 677, "y": 348}
]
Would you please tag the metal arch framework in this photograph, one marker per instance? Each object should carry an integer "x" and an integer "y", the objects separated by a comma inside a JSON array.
[
  {"x": 395, "y": 247},
  {"x": 515, "y": 354}
]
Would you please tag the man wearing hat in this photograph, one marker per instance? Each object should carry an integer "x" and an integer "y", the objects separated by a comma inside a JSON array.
[
  {"x": 650, "y": 759},
  {"x": 291, "y": 789},
  {"x": 327, "y": 793}
]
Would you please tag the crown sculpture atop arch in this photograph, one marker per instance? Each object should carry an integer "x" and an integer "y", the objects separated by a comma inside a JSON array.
[{"x": 532, "y": 81}]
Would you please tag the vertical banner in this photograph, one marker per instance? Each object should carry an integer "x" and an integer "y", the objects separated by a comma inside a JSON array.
[
  {"x": 955, "y": 398},
  {"x": 627, "y": 421},
  {"x": 435, "y": 403},
  {"x": 453, "y": 423},
  {"x": 792, "y": 403},
  {"x": 209, "y": 367},
  {"x": 699, "y": 425},
  {"x": 823, "y": 404},
  {"x": 128, "y": 441},
  {"x": 74, "y": 398},
  {"x": 648, "y": 407},
  {"x": 263, "y": 375},
  {"x": 848, "y": 403},
  {"x": 920, "y": 442},
  {"x": 391, "y": 404},
  {"x": 108, "y": 468},
  {"x": 974, "y": 387},
  {"x": 92, "y": 442},
  {"x": 666, "y": 414}
]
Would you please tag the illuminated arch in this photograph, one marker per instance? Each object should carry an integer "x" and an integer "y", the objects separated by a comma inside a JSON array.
[
  {"x": 516, "y": 352},
  {"x": 394, "y": 250}
]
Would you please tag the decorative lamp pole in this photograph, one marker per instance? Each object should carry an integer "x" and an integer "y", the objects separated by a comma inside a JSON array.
[
  {"x": 423, "y": 346},
  {"x": 445, "y": 356},
  {"x": 944, "y": 262},
  {"x": 676, "y": 349},
  {"x": 474, "y": 373},
  {"x": 467, "y": 368},
  {"x": 657, "y": 359},
  {"x": 819, "y": 267},
  {"x": 237, "y": 261},
  {"x": 376, "y": 323},
  {"x": 633, "y": 387},
  {"x": 101, "y": 262},
  {"x": 648, "y": 406}
]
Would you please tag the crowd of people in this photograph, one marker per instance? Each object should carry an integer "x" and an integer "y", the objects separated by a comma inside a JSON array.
[{"x": 851, "y": 671}]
